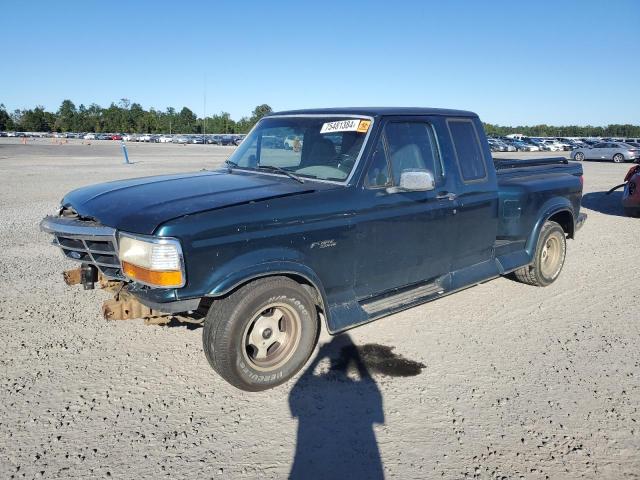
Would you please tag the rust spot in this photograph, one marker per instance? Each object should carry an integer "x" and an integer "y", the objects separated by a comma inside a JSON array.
[{"x": 71, "y": 277}]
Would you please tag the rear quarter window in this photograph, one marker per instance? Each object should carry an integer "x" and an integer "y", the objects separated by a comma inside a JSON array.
[{"x": 468, "y": 150}]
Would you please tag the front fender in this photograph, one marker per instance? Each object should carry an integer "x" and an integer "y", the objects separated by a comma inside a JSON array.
[
  {"x": 263, "y": 263},
  {"x": 547, "y": 210}
]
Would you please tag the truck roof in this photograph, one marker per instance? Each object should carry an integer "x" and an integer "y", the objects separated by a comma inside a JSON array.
[{"x": 378, "y": 111}]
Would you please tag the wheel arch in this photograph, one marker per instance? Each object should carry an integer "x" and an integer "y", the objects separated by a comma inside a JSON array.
[
  {"x": 558, "y": 210},
  {"x": 300, "y": 273}
]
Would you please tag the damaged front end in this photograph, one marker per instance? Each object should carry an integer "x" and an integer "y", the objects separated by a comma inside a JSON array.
[
  {"x": 96, "y": 247},
  {"x": 126, "y": 306}
]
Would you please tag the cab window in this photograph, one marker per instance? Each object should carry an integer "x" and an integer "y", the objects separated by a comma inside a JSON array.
[
  {"x": 468, "y": 151},
  {"x": 404, "y": 146}
]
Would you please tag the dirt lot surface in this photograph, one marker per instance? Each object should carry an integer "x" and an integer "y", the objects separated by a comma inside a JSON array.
[{"x": 518, "y": 382}]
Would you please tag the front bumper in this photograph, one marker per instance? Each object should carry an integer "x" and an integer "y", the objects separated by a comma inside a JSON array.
[{"x": 161, "y": 299}]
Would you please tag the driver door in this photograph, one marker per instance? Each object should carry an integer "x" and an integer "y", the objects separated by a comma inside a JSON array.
[{"x": 402, "y": 237}]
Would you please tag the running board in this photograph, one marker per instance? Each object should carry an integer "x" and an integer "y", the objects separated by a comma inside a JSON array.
[{"x": 403, "y": 298}]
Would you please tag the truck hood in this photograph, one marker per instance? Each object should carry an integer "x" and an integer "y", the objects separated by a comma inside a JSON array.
[{"x": 141, "y": 205}]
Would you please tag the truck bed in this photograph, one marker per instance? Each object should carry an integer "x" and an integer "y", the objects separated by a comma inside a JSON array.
[{"x": 526, "y": 188}]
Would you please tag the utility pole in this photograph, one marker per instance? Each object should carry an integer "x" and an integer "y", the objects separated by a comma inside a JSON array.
[{"x": 204, "y": 118}]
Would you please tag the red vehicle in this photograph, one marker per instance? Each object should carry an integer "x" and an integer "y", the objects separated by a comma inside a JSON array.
[
  {"x": 117, "y": 136},
  {"x": 631, "y": 193}
]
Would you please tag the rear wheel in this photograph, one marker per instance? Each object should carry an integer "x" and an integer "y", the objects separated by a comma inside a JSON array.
[
  {"x": 618, "y": 158},
  {"x": 262, "y": 334},
  {"x": 549, "y": 258}
]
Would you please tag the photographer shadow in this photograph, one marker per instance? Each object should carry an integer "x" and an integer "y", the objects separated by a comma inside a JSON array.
[
  {"x": 609, "y": 204},
  {"x": 336, "y": 410}
]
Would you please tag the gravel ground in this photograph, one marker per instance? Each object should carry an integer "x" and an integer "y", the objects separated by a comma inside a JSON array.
[{"x": 518, "y": 382}]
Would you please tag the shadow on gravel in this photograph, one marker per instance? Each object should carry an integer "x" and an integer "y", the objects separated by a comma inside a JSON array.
[
  {"x": 338, "y": 408},
  {"x": 174, "y": 322},
  {"x": 603, "y": 203}
]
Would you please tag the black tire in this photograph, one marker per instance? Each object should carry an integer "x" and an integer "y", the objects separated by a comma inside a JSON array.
[
  {"x": 232, "y": 322},
  {"x": 544, "y": 270},
  {"x": 618, "y": 158},
  {"x": 579, "y": 156}
]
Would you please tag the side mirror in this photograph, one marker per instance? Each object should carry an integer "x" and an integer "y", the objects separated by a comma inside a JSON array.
[{"x": 414, "y": 181}]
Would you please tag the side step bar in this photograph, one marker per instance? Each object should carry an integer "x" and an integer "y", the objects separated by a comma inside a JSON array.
[{"x": 397, "y": 300}]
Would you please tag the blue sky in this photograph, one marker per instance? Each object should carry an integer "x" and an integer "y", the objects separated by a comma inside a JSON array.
[{"x": 555, "y": 62}]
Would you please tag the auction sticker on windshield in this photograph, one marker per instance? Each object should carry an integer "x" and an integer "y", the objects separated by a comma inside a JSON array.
[{"x": 355, "y": 125}]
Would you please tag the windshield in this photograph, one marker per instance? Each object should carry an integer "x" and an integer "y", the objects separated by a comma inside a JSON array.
[{"x": 320, "y": 147}]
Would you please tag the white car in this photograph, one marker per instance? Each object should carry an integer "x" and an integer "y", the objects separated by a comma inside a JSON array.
[
  {"x": 564, "y": 145},
  {"x": 165, "y": 139},
  {"x": 90, "y": 136},
  {"x": 144, "y": 138},
  {"x": 553, "y": 145}
]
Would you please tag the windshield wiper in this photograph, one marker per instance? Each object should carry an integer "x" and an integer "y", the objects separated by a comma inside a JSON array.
[{"x": 280, "y": 170}]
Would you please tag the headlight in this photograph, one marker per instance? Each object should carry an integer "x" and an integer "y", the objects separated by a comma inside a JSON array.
[{"x": 152, "y": 261}]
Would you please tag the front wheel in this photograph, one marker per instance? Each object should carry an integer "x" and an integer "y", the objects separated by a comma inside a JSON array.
[
  {"x": 579, "y": 156},
  {"x": 549, "y": 258},
  {"x": 618, "y": 158},
  {"x": 262, "y": 334}
]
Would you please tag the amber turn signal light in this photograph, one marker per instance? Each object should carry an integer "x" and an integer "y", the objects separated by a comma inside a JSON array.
[{"x": 168, "y": 278}]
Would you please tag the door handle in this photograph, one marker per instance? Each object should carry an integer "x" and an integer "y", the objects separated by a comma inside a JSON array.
[{"x": 446, "y": 196}]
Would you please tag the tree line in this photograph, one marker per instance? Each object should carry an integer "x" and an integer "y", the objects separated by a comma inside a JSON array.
[
  {"x": 614, "y": 130},
  {"x": 125, "y": 116}
]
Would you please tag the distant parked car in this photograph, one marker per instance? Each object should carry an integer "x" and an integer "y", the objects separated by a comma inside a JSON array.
[
  {"x": 214, "y": 139},
  {"x": 116, "y": 136},
  {"x": 522, "y": 146},
  {"x": 103, "y": 136},
  {"x": 494, "y": 144},
  {"x": 572, "y": 143},
  {"x": 146, "y": 137},
  {"x": 565, "y": 145},
  {"x": 227, "y": 140},
  {"x": 180, "y": 139},
  {"x": 618, "y": 152},
  {"x": 199, "y": 139},
  {"x": 165, "y": 139},
  {"x": 539, "y": 142},
  {"x": 552, "y": 145},
  {"x": 90, "y": 136}
]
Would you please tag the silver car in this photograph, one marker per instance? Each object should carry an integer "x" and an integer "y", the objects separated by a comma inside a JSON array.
[{"x": 616, "y": 151}]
